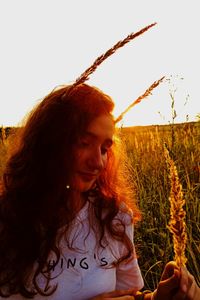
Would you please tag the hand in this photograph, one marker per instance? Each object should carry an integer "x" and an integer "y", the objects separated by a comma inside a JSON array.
[
  {"x": 116, "y": 295},
  {"x": 188, "y": 286},
  {"x": 169, "y": 283},
  {"x": 177, "y": 284}
]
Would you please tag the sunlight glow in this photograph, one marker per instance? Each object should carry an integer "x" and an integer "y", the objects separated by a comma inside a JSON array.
[{"x": 38, "y": 56}]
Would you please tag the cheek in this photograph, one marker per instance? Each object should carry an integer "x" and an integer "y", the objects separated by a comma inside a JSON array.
[{"x": 79, "y": 157}]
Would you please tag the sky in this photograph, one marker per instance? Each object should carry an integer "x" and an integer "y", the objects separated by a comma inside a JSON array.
[{"x": 47, "y": 43}]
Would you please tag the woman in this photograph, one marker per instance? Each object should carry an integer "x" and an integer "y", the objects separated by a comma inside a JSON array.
[{"x": 66, "y": 210}]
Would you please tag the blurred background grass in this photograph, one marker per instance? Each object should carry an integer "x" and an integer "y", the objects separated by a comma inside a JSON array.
[{"x": 145, "y": 149}]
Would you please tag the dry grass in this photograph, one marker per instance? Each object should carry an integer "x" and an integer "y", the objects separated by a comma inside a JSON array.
[
  {"x": 177, "y": 225},
  {"x": 85, "y": 75},
  {"x": 150, "y": 176},
  {"x": 140, "y": 98}
]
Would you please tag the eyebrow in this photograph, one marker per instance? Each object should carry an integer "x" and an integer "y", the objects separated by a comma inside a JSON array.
[{"x": 107, "y": 141}]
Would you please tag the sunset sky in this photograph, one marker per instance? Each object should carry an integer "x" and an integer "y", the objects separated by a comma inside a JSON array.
[{"x": 46, "y": 43}]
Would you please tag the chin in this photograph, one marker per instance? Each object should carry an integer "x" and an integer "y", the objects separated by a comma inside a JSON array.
[
  {"x": 85, "y": 188},
  {"x": 82, "y": 186}
]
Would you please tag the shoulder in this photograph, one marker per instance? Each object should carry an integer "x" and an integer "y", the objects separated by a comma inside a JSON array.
[{"x": 125, "y": 214}]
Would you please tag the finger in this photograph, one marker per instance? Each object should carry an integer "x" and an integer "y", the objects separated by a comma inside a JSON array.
[
  {"x": 119, "y": 293},
  {"x": 187, "y": 286},
  {"x": 171, "y": 283},
  {"x": 188, "y": 283},
  {"x": 192, "y": 291},
  {"x": 169, "y": 270},
  {"x": 184, "y": 280},
  {"x": 180, "y": 295},
  {"x": 127, "y": 297}
]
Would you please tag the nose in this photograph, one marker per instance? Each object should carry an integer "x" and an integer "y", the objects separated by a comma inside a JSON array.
[{"x": 97, "y": 160}]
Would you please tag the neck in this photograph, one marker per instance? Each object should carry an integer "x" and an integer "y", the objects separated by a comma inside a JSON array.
[{"x": 76, "y": 201}]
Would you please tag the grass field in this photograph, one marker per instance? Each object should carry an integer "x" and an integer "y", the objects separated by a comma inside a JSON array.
[
  {"x": 150, "y": 177},
  {"x": 144, "y": 146}
]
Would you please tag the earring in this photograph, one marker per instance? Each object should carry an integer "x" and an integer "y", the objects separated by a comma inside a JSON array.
[{"x": 67, "y": 186}]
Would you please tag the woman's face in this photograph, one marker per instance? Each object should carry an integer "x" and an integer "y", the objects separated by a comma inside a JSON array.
[{"x": 91, "y": 153}]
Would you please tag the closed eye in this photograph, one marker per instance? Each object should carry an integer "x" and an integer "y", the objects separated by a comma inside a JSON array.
[{"x": 85, "y": 142}]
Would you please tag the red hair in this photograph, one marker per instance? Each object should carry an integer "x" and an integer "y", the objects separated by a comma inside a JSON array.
[{"x": 33, "y": 202}]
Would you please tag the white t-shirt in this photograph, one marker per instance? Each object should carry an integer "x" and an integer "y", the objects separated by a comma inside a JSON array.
[{"x": 84, "y": 273}]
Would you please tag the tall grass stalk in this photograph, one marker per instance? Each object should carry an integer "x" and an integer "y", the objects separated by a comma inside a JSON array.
[
  {"x": 177, "y": 225},
  {"x": 85, "y": 75}
]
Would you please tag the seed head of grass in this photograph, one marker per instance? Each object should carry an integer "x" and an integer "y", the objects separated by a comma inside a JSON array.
[{"x": 177, "y": 225}]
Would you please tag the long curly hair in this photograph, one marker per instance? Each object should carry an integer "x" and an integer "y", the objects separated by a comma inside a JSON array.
[{"x": 33, "y": 201}]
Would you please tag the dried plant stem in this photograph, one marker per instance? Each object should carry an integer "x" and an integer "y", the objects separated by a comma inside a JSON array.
[
  {"x": 85, "y": 75},
  {"x": 177, "y": 225},
  {"x": 3, "y": 135},
  {"x": 139, "y": 99}
]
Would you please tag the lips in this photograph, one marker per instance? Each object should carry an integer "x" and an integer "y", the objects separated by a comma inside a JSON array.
[{"x": 88, "y": 176}]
